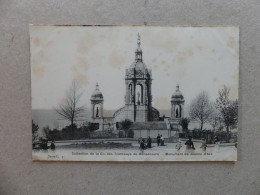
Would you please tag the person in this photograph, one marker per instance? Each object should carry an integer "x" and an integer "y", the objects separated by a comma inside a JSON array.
[
  {"x": 52, "y": 145},
  {"x": 216, "y": 139},
  {"x": 178, "y": 145},
  {"x": 203, "y": 145},
  {"x": 162, "y": 140},
  {"x": 142, "y": 144},
  {"x": 217, "y": 147},
  {"x": 189, "y": 144},
  {"x": 158, "y": 139},
  {"x": 149, "y": 142},
  {"x": 45, "y": 144}
]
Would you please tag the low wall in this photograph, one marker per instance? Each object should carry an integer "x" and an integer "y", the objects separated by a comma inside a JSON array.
[{"x": 152, "y": 133}]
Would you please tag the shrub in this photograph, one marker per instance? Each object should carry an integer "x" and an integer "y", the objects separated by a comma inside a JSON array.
[
  {"x": 182, "y": 135},
  {"x": 130, "y": 133},
  {"x": 121, "y": 134}
]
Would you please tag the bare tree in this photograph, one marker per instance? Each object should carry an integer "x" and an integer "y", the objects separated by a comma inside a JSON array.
[
  {"x": 201, "y": 109},
  {"x": 71, "y": 109},
  {"x": 215, "y": 119},
  {"x": 227, "y": 108}
]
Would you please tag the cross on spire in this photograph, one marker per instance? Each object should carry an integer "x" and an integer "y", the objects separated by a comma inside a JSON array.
[
  {"x": 138, "y": 51},
  {"x": 138, "y": 40}
]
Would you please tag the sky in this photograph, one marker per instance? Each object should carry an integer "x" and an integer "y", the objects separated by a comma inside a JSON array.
[{"x": 196, "y": 58}]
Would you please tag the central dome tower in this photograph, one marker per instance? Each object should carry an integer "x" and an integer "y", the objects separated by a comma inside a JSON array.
[
  {"x": 138, "y": 87},
  {"x": 138, "y": 82}
]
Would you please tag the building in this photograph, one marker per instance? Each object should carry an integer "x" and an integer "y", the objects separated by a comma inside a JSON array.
[
  {"x": 138, "y": 103},
  {"x": 138, "y": 95}
]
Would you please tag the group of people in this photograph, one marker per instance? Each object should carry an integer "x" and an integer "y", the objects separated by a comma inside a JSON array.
[
  {"x": 148, "y": 143},
  {"x": 145, "y": 145},
  {"x": 160, "y": 140}
]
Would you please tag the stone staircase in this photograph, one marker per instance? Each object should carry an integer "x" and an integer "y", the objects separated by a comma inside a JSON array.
[{"x": 151, "y": 125}]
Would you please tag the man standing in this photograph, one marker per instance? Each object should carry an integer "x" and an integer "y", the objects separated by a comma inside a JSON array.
[
  {"x": 149, "y": 142},
  {"x": 158, "y": 139},
  {"x": 142, "y": 144}
]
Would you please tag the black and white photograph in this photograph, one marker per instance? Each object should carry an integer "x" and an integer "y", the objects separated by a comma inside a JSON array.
[{"x": 134, "y": 93}]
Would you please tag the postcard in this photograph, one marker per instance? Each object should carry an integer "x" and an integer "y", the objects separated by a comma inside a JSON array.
[{"x": 134, "y": 93}]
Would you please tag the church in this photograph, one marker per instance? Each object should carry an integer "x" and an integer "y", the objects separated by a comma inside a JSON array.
[{"x": 138, "y": 104}]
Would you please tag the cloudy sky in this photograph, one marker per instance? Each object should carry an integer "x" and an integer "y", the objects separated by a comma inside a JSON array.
[{"x": 197, "y": 58}]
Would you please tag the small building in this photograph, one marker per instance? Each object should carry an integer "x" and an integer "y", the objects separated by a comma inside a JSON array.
[{"x": 97, "y": 102}]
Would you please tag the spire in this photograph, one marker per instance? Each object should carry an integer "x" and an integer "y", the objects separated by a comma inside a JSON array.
[
  {"x": 177, "y": 87},
  {"x": 138, "y": 51},
  {"x": 138, "y": 40},
  {"x": 97, "y": 86}
]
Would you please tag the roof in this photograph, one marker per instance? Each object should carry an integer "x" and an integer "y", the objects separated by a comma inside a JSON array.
[
  {"x": 177, "y": 95},
  {"x": 97, "y": 95}
]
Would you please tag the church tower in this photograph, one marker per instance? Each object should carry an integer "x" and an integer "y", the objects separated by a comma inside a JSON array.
[
  {"x": 138, "y": 83},
  {"x": 97, "y": 104},
  {"x": 177, "y": 104}
]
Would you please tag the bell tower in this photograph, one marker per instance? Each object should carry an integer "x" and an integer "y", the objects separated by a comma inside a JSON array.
[
  {"x": 177, "y": 104},
  {"x": 97, "y": 104}
]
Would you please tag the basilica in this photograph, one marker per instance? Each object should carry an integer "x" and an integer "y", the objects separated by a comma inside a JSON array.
[{"x": 138, "y": 103}]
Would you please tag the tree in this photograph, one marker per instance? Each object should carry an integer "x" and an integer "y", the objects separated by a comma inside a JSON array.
[
  {"x": 215, "y": 120},
  {"x": 130, "y": 133},
  {"x": 184, "y": 122},
  {"x": 35, "y": 129},
  {"x": 227, "y": 108},
  {"x": 71, "y": 109},
  {"x": 201, "y": 109},
  {"x": 46, "y": 131},
  {"x": 126, "y": 124}
]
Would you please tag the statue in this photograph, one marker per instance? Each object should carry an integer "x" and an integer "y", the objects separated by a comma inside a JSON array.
[
  {"x": 138, "y": 97},
  {"x": 177, "y": 113},
  {"x": 97, "y": 115}
]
